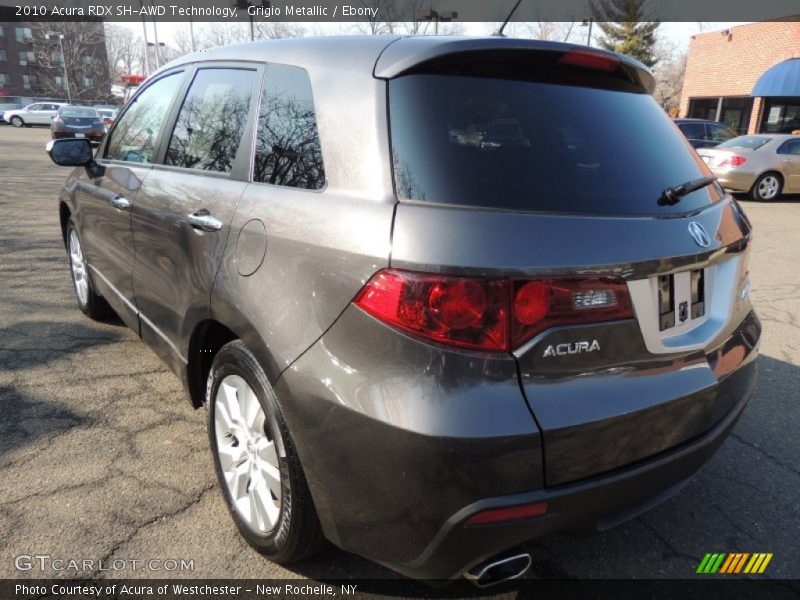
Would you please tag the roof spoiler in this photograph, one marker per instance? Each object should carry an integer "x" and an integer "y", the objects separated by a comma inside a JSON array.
[{"x": 407, "y": 54}]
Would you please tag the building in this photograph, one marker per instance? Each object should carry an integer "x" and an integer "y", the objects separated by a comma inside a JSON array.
[
  {"x": 33, "y": 64},
  {"x": 747, "y": 76}
]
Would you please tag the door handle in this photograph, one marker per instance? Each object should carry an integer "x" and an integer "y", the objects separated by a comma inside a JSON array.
[
  {"x": 120, "y": 202},
  {"x": 204, "y": 221}
]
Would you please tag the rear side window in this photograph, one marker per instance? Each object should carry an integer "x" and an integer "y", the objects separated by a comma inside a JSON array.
[
  {"x": 693, "y": 131},
  {"x": 790, "y": 147},
  {"x": 134, "y": 137},
  {"x": 720, "y": 133},
  {"x": 212, "y": 120},
  {"x": 288, "y": 151},
  {"x": 536, "y": 146}
]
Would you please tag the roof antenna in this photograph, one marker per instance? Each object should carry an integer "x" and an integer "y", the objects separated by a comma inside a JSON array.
[{"x": 499, "y": 32}]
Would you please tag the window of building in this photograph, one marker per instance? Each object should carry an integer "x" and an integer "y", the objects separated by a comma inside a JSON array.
[
  {"x": 3, "y": 54},
  {"x": 5, "y": 79},
  {"x": 703, "y": 108},
  {"x": 288, "y": 151},
  {"x": 134, "y": 137},
  {"x": 780, "y": 115},
  {"x": 212, "y": 120},
  {"x": 26, "y": 57},
  {"x": 2, "y": 32},
  {"x": 23, "y": 34},
  {"x": 59, "y": 81},
  {"x": 28, "y": 81},
  {"x": 88, "y": 82},
  {"x": 87, "y": 60}
]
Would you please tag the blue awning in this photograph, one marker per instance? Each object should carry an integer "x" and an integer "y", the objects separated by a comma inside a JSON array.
[{"x": 781, "y": 80}]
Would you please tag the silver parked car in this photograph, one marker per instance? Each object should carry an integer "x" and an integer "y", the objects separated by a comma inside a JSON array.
[
  {"x": 435, "y": 302},
  {"x": 763, "y": 165},
  {"x": 38, "y": 113}
]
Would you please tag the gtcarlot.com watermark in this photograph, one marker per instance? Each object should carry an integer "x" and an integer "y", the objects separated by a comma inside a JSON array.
[{"x": 47, "y": 563}]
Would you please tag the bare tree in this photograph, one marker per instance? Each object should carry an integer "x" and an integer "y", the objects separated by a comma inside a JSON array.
[
  {"x": 124, "y": 50},
  {"x": 84, "y": 60},
  {"x": 669, "y": 72}
]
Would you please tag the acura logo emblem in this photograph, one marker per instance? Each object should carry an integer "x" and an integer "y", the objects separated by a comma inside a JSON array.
[{"x": 699, "y": 234}]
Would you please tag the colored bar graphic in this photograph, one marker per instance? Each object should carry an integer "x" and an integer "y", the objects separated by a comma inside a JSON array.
[
  {"x": 734, "y": 563},
  {"x": 732, "y": 558},
  {"x": 703, "y": 563},
  {"x": 740, "y": 564}
]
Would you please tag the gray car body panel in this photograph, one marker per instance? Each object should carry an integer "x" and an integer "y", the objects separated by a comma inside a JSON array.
[{"x": 402, "y": 439}]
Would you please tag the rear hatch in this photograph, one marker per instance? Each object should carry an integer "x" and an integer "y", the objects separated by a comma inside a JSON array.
[{"x": 568, "y": 197}]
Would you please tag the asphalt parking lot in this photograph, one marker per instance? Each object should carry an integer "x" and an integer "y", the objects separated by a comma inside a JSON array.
[{"x": 101, "y": 456}]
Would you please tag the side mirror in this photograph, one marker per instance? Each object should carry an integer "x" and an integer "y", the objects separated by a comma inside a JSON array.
[
  {"x": 74, "y": 153},
  {"x": 70, "y": 153}
]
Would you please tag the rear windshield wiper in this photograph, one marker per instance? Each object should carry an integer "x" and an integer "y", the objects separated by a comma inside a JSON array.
[{"x": 672, "y": 195}]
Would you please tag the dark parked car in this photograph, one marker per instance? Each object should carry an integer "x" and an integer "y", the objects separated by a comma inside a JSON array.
[
  {"x": 705, "y": 134},
  {"x": 78, "y": 122},
  {"x": 425, "y": 350}
]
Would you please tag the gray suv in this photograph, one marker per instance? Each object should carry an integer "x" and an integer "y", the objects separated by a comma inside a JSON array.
[{"x": 439, "y": 296}]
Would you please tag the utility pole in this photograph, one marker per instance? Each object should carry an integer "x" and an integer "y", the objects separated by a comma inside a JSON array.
[
  {"x": 60, "y": 38},
  {"x": 588, "y": 22},
  {"x": 146, "y": 45}
]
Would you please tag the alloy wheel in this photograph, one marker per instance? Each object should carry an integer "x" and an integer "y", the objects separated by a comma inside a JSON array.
[
  {"x": 78, "y": 265},
  {"x": 247, "y": 455},
  {"x": 768, "y": 187}
]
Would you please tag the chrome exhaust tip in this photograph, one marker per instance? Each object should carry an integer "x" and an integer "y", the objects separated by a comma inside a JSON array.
[{"x": 494, "y": 571}]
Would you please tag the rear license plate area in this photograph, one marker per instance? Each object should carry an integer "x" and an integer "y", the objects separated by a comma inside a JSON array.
[{"x": 681, "y": 298}]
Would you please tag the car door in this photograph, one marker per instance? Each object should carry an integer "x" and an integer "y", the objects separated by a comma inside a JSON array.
[
  {"x": 32, "y": 114},
  {"x": 789, "y": 156},
  {"x": 104, "y": 203},
  {"x": 183, "y": 212}
]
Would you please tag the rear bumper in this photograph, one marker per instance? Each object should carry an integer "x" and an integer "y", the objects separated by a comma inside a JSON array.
[
  {"x": 58, "y": 135},
  {"x": 591, "y": 505},
  {"x": 402, "y": 441},
  {"x": 735, "y": 180}
]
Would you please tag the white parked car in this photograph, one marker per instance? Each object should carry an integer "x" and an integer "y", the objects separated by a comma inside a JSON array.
[{"x": 38, "y": 113}]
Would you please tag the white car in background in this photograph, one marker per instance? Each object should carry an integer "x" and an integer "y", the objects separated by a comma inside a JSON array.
[{"x": 38, "y": 113}]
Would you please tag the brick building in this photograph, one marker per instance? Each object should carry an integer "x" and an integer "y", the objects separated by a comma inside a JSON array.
[
  {"x": 723, "y": 68},
  {"x": 33, "y": 65}
]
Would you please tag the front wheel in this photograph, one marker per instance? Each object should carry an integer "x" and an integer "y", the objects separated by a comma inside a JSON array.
[
  {"x": 17, "y": 122},
  {"x": 767, "y": 187},
  {"x": 255, "y": 460},
  {"x": 90, "y": 302}
]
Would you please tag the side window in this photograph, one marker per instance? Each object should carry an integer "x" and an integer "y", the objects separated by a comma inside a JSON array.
[
  {"x": 212, "y": 120},
  {"x": 35, "y": 107},
  {"x": 288, "y": 152},
  {"x": 693, "y": 131},
  {"x": 790, "y": 147},
  {"x": 720, "y": 133},
  {"x": 134, "y": 137}
]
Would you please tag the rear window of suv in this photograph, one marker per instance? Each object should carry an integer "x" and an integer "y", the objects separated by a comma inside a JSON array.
[{"x": 536, "y": 146}]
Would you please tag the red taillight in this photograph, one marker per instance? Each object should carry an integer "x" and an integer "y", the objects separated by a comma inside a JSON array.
[
  {"x": 590, "y": 60},
  {"x": 503, "y": 515},
  {"x": 465, "y": 312},
  {"x": 733, "y": 161},
  {"x": 490, "y": 314},
  {"x": 541, "y": 304}
]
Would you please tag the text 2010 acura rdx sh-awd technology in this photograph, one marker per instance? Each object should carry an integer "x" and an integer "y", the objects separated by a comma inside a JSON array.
[{"x": 439, "y": 296}]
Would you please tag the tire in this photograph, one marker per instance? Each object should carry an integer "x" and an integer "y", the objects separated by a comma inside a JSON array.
[
  {"x": 17, "y": 122},
  {"x": 258, "y": 469},
  {"x": 92, "y": 304},
  {"x": 767, "y": 187}
]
